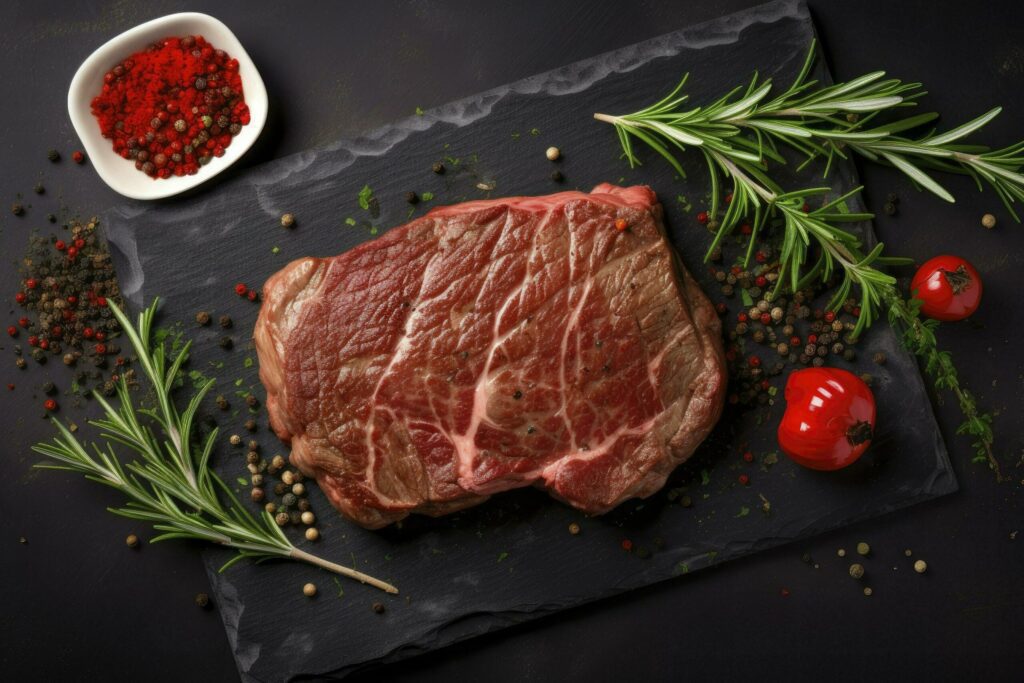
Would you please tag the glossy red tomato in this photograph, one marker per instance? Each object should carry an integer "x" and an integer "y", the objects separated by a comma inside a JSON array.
[
  {"x": 829, "y": 419},
  {"x": 949, "y": 287}
]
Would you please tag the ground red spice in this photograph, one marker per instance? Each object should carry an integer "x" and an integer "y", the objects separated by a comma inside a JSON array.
[{"x": 172, "y": 107}]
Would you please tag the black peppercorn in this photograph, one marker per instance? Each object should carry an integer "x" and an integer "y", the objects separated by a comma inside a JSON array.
[
  {"x": 48, "y": 388},
  {"x": 200, "y": 83},
  {"x": 202, "y": 600},
  {"x": 438, "y": 168},
  {"x": 251, "y": 401},
  {"x": 411, "y": 197},
  {"x": 39, "y": 189},
  {"x": 557, "y": 176},
  {"x": 226, "y": 343},
  {"x": 250, "y": 425},
  {"x": 889, "y": 208},
  {"x": 225, "y": 322},
  {"x": 203, "y": 318},
  {"x": 17, "y": 209},
  {"x": 378, "y": 607},
  {"x": 222, "y": 403}
]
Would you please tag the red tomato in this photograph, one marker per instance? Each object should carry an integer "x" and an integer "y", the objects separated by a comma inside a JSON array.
[
  {"x": 949, "y": 287},
  {"x": 829, "y": 418}
]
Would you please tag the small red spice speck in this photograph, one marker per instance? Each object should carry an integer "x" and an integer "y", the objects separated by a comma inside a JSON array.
[
  {"x": 13, "y": 331},
  {"x": 627, "y": 544},
  {"x": 755, "y": 362},
  {"x": 784, "y": 592},
  {"x": 101, "y": 301},
  {"x": 794, "y": 341},
  {"x": 830, "y": 316},
  {"x": 742, "y": 317},
  {"x": 621, "y": 224},
  {"x": 72, "y": 299},
  {"x": 33, "y": 341},
  {"x": 721, "y": 308},
  {"x": 253, "y": 295},
  {"x": 101, "y": 336},
  {"x": 10, "y": 387},
  {"x": 88, "y": 333},
  {"x": 78, "y": 156},
  {"x": 702, "y": 217},
  {"x": 50, "y": 404},
  {"x": 72, "y": 252},
  {"x": 748, "y": 457},
  {"x": 728, "y": 198},
  {"x": 44, "y": 344},
  {"x": 241, "y": 289},
  {"x": 79, "y": 243},
  {"x": 60, "y": 245},
  {"x": 761, "y": 258},
  {"x": 856, "y": 311},
  {"x": 57, "y": 330},
  {"x": 806, "y": 208},
  {"x": 766, "y": 318},
  {"x": 736, "y": 270},
  {"x": 31, "y": 283},
  {"x": 20, "y": 297},
  {"x": 23, "y": 322},
  {"x": 761, "y": 281},
  {"x": 765, "y": 384},
  {"x": 812, "y": 339},
  {"x": 101, "y": 349},
  {"x": 744, "y": 479}
]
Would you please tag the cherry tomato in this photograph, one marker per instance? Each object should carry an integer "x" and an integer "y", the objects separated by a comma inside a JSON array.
[
  {"x": 949, "y": 287},
  {"x": 829, "y": 419}
]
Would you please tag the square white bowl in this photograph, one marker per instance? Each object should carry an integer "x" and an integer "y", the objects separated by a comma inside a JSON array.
[{"x": 120, "y": 174}]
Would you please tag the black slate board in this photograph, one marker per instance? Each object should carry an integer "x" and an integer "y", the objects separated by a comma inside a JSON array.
[{"x": 511, "y": 559}]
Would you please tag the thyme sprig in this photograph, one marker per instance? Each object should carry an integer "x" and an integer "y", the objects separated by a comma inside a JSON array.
[
  {"x": 738, "y": 136},
  {"x": 173, "y": 486}
]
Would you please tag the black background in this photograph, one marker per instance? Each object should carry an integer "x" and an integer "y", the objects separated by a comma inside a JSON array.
[{"x": 78, "y": 605}]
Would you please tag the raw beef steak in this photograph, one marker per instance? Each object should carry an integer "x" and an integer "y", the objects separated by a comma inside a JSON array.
[{"x": 554, "y": 341}]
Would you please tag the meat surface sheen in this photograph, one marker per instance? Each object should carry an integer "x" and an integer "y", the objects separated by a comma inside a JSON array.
[{"x": 492, "y": 345}]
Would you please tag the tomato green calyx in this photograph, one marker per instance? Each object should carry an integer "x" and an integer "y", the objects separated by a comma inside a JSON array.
[
  {"x": 860, "y": 432},
  {"x": 959, "y": 280}
]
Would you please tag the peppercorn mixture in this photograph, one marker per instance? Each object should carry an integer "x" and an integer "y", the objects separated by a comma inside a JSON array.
[{"x": 172, "y": 107}]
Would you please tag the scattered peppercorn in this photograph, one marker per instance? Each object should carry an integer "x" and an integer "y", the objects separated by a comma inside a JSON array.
[
  {"x": 39, "y": 189},
  {"x": 908, "y": 552},
  {"x": 867, "y": 591},
  {"x": 50, "y": 405},
  {"x": 857, "y": 571},
  {"x": 202, "y": 600},
  {"x": 132, "y": 541},
  {"x": 841, "y": 552},
  {"x": 235, "y": 440},
  {"x": 251, "y": 401},
  {"x": 863, "y": 549},
  {"x": 438, "y": 168},
  {"x": 574, "y": 528},
  {"x": 256, "y": 494},
  {"x": 203, "y": 318},
  {"x": 78, "y": 156},
  {"x": 282, "y": 518},
  {"x": 685, "y": 501},
  {"x": 557, "y": 176},
  {"x": 53, "y": 155},
  {"x": 920, "y": 566},
  {"x": 889, "y": 208},
  {"x": 879, "y": 358},
  {"x": 311, "y": 533},
  {"x": 412, "y": 197},
  {"x": 250, "y": 425},
  {"x": 308, "y": 517},
  {"x": 222, "y": 403},
  {"x": 988, "y": 221},
  {"x": 553, "y": 153},
  {"x": 225, "y": 322},
  {"x": 226, "y": 343},
  {"x": 309, "y": 590},
  {"x": 17, "y": 209},
  {"x": 378, "y": 607},
  {"x": 287, "y": 220}
]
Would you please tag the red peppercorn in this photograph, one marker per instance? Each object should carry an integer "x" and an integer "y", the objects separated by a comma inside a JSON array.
[
  {"x": 627, "y": 544},
  {"x": 755, "y": 362},
  {"x": 59, "y": 245},
  {"x": 253, "y": 295},
  {"x": 830, "y": 316},
  {"x": 621, "y": 224},
  {"x": 50, "y": 405},
  {"x": 67, "y": 314},
  {"x": 761, "y": 258},
  {"x": 744, "y": 479},
  {"x": 57, "y": 331},
  {"x": 736, "y": 270},
  {"x": 766, "y": 318},
  {"x": 72, "y": 252},
  {"x": 79, "y": 243},
  {"x": 856, "y": 311},
  {"x": 101, "y": 301},
  {"x": 784, "y": 592},
  {"x": 24, "y": 322},
  {"x": 742, "y": 317},
  {"x": 748, "y": 457},
  {"x": 702, "y": 217},
  {"x": 812, "y": 339},
  {"x": 765, "y": 384},
  {"x": 794, "y": 341},
  {"x": 20, "y": 297},
  {"x": 746, "y": 229},
  {"x": 241, "y": 289},
  {"x": 101, "y": 335},
  {"x": 101, "y": 349},
  {"x": 78, "y": 156},
  {"x": 721, "y": 308},
  {"x": 33, "y": 340},
  {"x": 72, "y": 299},
  {"x": 10, "y": 387},
  {"x": 761, "y": 281},
  {"x": 13, "y": 331},
  {"x": 31, "y": 283},
  {"x": 44, "y": 344},
  {"x": 88, "y": 333},
  {"x": 728, "y": 198}
]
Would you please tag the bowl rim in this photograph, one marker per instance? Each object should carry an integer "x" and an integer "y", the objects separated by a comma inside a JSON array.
[{"x": 80, "y": 97}]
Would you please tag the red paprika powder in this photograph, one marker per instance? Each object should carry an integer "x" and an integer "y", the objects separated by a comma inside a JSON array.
[{"x": 172, "y": 107}]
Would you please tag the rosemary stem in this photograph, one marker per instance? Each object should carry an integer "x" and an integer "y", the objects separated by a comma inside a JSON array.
[
  {"x": 303, "y": 556},
  {"x": 608, "y": 118}
]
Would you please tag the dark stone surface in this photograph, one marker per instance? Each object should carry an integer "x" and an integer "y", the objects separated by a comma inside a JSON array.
[{"x": 80, "y": 608}]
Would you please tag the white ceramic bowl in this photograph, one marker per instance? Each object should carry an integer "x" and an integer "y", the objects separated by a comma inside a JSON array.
[{"x": 121, "y": 174}]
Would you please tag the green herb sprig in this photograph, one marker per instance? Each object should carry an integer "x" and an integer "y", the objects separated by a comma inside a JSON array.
[
  {"x": 738, "y": 136},
  {"x": 172, "y": 486}
]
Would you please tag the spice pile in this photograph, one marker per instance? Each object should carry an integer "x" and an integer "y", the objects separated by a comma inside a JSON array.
[
  {"x": 172, "y": 107},
  {"x": 64, "y": 294},
  {"x": 770, "y": 333}
]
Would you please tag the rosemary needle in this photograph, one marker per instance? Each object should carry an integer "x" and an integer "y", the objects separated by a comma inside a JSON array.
[{"x": 172, "y": 486}]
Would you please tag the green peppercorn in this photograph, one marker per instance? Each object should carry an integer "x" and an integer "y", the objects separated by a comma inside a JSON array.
[{"x": 39, "y": 189}]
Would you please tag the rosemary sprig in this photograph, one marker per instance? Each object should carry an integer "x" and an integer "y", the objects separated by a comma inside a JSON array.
[
  {"x": 738, "y": 135},
  {"x": 172, "y": 486}
]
